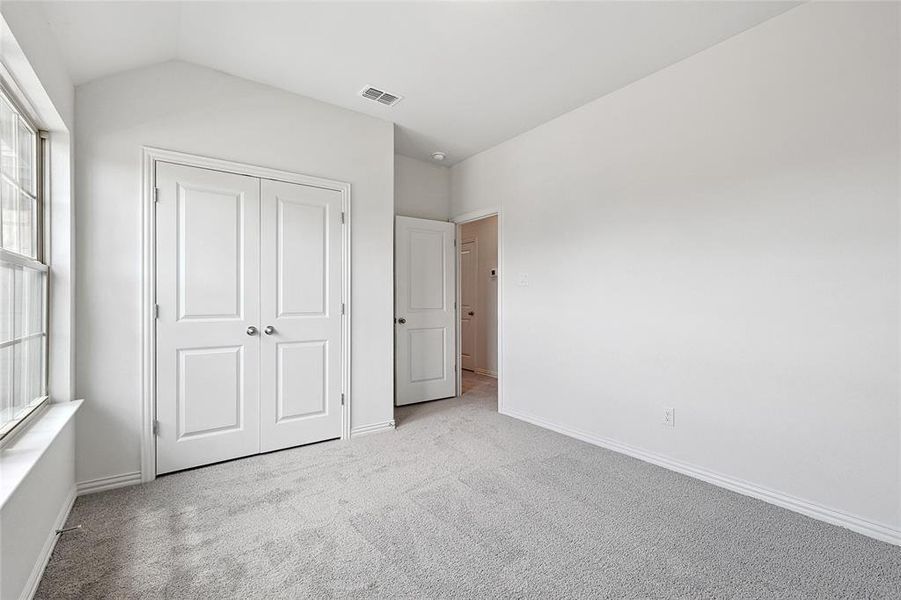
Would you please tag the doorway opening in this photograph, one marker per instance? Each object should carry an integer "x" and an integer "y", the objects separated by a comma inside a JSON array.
[{"x": 478, "y": 295}]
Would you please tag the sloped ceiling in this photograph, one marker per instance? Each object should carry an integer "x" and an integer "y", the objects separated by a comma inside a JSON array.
[{"x": 472, "y": 74}]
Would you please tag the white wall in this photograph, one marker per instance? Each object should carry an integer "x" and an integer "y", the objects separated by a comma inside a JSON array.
[
  {"x": 183, "y": 107},
  {"x": 28, "y": 519},
  {"x": 421, "y": 189},
  {"x": 720, "y": 237},
  {"x": 484, "y": 233},
  {"x": 38, "y": 45}
]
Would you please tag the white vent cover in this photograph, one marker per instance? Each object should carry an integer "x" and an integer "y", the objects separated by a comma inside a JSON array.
[{"x": 378, "y": 95}]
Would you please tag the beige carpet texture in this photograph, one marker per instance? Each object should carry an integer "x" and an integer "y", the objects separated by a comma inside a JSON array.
[{"x": 458, "y": 502}]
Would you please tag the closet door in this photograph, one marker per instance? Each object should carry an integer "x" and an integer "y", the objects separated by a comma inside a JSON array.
[
  {"x": 301, "y": 314},
  {"x": 208, "y": 346}
]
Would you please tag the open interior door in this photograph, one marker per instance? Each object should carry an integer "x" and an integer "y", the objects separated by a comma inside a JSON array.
[{"x": 424, "y": 317}]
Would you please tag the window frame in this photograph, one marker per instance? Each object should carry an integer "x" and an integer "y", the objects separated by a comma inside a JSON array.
[{"x": 38, "y": 263}]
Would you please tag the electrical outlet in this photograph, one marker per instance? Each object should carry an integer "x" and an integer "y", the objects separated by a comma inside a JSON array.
[
  {"x": 669, "y": 417},
  {"x": 523, "y": 280}
]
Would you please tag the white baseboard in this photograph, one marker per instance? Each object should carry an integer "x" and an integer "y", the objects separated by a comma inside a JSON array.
[
  {"x": 374, "y": 428},
  {"x": 486, "y": 372},
  {"x": 108, "y": 483},
  {"x": 31, "y": 586},
  {"x": 877, "y": 531}
]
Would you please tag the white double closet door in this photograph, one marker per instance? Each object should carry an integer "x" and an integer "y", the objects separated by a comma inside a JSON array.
[{"x": 249, "y": 332}]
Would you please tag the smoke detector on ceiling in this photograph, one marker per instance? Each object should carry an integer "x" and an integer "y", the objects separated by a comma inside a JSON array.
[
  {"x": 381, "y": 96},
  {"x": 438, "y": 155}
]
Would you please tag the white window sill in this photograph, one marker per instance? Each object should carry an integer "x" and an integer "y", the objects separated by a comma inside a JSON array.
[{"x": 22, "y": 453}]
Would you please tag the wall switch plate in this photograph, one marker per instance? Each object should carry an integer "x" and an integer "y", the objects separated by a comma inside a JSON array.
[
  {"x": 523, "y": 280},
  {"x": 669, "y": 417}
]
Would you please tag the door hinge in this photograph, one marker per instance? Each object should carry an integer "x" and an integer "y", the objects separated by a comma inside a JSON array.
[
  {"x": 342, "y": 217},
  {"x": 343, "y": 308},
  {"x": 156, "y": 311},
  {"x": 156, "y": 194},
  {"x": 156, "y": 427},
  {"x": 455, "y": 242},
  {"x": 342, "y": 398}
]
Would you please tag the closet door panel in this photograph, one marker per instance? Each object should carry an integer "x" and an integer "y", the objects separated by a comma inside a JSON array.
[
  {"x": 300, "y": 294},
  {"x": 207, "y": 264}
]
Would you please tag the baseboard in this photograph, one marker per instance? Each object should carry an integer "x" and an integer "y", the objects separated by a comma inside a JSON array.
[
  {"x": 486, "y": 372},
  {"x": 374, "y": 428},
  {"x": 31, "y": 586},
  {"x": 108, "y": 483},
  {"x": 877, "y": 531}
]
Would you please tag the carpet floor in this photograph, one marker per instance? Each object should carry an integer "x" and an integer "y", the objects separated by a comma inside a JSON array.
[{"x": 458, "y": 502}]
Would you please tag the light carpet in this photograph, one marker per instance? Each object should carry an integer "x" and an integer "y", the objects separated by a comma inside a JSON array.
[{"x": 458, "y": 502}]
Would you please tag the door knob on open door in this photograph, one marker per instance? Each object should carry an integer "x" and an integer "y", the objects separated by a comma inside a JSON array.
[
  {"x": 251, "y": 330},
  {"x": 269, "y": 330},
  {"x": 401, "y": 320},
  {"x": 471, "y": 313}
]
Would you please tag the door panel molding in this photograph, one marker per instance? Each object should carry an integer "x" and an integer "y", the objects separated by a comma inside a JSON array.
[
  {"x": 282, "y": 372},
  {"x": 150, "y": 158},
  {"x": 183, "y": 429}
]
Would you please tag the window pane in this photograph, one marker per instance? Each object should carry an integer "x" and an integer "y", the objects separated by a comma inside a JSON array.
[
  {"x": 9, "y": 208},
  {"x": 23, "y": 339},
  {"x": 7, "y": 281},
  {"x": 33, "y": 361},
  {"x": 27, "y": 225},
  {"x": 32, "y": 301},
  {"x": 18, "y": 307},
  {"x": 7, "y": 382},
  {"x": 8, "y": 120},
  {"x": 25, "y": 157}
]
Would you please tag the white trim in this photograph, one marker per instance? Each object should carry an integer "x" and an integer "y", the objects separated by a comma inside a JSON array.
[
  {"x": 476, "y": 215},
  {"x": 816, "y": 511},
  {"x": 22, "y": 261},
  {"x": 24, "y": 338},
  {"x": 374, "y": 428},
  {"x": 102, "y": 484},
  {"x": 148, "y": 281},
  {"x": 31, "y": 586},
  {"x": 486, "y": 373}
]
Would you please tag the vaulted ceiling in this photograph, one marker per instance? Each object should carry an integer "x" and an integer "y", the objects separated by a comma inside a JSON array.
[{"x": 472, "y": 74}]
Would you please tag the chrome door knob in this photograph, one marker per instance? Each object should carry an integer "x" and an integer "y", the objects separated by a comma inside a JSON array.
[
  {"x": 401, "y": 320},
  {"x": 269, "y": 330},
  {"x": 251, "y": 330}
]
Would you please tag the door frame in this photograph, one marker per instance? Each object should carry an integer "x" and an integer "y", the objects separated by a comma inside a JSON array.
[
  {"x": 150, "y": 157},
  {"x": 477, "y": 215}
]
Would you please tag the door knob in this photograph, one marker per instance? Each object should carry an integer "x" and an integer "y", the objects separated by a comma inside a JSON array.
[
  {"x": 401, "y": 320},
  {"x": 269, "y": 330},
  {"x": 471, "y": 313},
  {"x": 251, "y": 330}
]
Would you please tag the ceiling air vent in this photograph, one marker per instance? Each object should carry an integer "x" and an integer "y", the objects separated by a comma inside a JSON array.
[{"x": 380, "y": 96}]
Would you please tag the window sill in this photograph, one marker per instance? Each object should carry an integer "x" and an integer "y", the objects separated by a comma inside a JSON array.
[{"x": 22, "y": 453}]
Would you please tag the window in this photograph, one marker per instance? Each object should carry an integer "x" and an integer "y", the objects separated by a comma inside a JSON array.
[{"x": 23, "y": 274}]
